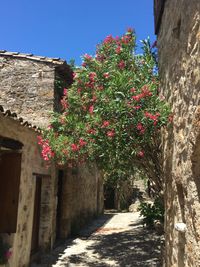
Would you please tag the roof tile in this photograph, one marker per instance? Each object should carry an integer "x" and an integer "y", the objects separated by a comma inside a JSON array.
[{"x": 55, "y": 61}]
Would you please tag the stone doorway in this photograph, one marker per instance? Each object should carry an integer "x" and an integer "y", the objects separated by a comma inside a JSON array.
[
  {"x": 109, "y": 197},
  {"x": 36, "y": 215},
  {"x": 59, "y": 204}
]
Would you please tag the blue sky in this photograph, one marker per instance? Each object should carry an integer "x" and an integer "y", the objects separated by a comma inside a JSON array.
[{"x": 70, "y": 28}]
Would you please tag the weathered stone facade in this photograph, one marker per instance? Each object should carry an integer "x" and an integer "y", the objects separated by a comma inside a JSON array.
[
  {"x": 30, "y": 85},
  {"x": 179, "y": 64},
  {"x": 81, "y": 198},
  {"x": 31, "y": 164}
]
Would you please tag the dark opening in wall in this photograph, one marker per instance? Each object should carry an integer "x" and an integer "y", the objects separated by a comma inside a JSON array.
[
  {"x": 109, "y": 197},
  {"x": 10, "y": 173}
]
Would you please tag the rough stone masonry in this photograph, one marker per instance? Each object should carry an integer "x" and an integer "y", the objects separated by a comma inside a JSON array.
[
  {"x": 30, "y": 85},
  {"x": 179, "y": 62}
]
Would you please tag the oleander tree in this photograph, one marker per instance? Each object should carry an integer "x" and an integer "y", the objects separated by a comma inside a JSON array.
[{"x": 112, "y": 113}]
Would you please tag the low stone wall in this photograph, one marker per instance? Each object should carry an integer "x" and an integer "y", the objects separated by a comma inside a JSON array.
[
  {"x": 81, "y": 198},
  {"x": 179, "y": 61}
]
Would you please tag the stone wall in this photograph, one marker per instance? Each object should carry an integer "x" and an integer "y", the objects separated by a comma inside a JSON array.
[
  {"x": 31, "y": 87},
  {"x": 81, "y": 198},
  {"x": 123, "y": 195},
  {"x": 179, "y": 62},
  {"x": 27, "y": 88},
  {"x": 31, "y": 163}
]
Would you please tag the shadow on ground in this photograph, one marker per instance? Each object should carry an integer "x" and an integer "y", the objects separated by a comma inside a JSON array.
[
  {"x": 132, "y": 248},
  {"x": 48, "y": 259},
  {"x": 129, "y": 248}
]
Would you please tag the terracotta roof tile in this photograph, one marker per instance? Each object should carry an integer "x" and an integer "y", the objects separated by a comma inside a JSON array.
[{"x": 55, "y": 61}]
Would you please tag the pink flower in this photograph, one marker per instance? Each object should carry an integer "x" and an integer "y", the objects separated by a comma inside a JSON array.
[
  {"x": 111, "y": 133},
  {"x": 74, "y": 147},
  {"x": 84, "y": 64},
  {"x": 90, "y": 84},
  {"x": 87, "y": 57},
  {"x": 105, "y": 124},
  {"x": 64, "y": 103},
  {"x": 118, "y": 50},
  {"x": 91, "y": 109},
  {"x": 146, "y": 91},
  {"x": 75, "y": 75},
  {"x": 100, "y": 57},
  {"x": 39, "y": 138},
  {"x": 141, "y": 153},
  {"x": 47, "y": 152},
  {"x": 152, "y": 117},
  {"x": 100, "y": 87},
  {"x": 65, "y": 91},
  {"x": 121, "y": 64},
  {"x": 133, "y": 90},
  {"x": 137, "y": 107},
  {"x": 79, "y": 90},
  {"x": 91, "y": 131},
  {"x": 92, "y": 76},
  {"x": 106, "y": 75},
  {"x": 129, "y": 104},
  {"x": 82, "y": 142},
  {"x": 137, "y": 97},
  {"x": 108, "y": 39},
  {"x": 126, "y": 39},
  {"x": 139, "y": 126}
]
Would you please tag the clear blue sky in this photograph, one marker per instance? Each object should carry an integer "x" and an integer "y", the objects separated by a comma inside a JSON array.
[{"x": 70, "y": 28}]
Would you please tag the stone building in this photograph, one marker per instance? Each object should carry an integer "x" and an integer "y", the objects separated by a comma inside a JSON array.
[
  {"x": 27, "y": 192},
  {"x": 37, "y": 204},
  {"x": 32, "y": 85},
  {"x": 177, "y": 24}
]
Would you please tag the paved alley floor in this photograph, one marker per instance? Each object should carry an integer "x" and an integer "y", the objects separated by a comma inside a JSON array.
[{"x": 114, "y": 239}]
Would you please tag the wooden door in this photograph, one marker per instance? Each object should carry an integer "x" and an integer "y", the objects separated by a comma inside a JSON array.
[
  {"x": 36, "y": 216},
  {"x": 10, "y": 172}
]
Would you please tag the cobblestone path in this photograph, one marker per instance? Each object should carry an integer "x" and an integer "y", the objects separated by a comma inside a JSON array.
[{"x": 115, "y": 239}]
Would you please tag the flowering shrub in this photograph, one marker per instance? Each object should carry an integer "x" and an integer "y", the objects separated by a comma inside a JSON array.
[
  {"x": 112, "y": 113},
  {"x": 5, "y": 252}
]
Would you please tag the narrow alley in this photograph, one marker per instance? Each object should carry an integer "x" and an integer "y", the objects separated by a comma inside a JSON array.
[{"x": 114, "y": 239}]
